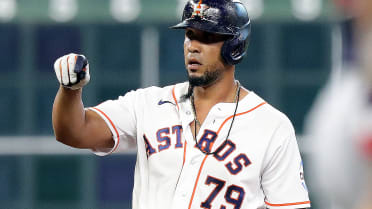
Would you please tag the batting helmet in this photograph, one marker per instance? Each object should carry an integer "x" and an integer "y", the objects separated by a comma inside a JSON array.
[{"x": 225, "y": 17}]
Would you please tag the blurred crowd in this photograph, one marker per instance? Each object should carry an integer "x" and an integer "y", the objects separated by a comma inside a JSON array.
[{"x": 339, "y": 126}]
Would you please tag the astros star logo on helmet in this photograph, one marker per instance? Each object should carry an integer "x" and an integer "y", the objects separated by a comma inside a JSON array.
[{"x": 199, "y": 9}]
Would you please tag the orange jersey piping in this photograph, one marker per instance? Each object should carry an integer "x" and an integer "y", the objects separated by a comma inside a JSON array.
[
  {"x": 184, "y": 153},
  {"x": 174, "y": 97},
  {"x": 201, "y": 166},
  {"x": 112, "y": 124},
  {"x": 288, "y": 204}
]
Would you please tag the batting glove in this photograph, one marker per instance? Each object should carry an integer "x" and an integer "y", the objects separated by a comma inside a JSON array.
[{"x": 72, "y": 71}]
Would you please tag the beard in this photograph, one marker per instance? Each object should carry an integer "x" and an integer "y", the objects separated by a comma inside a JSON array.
[{"x": 206, "y": 79}]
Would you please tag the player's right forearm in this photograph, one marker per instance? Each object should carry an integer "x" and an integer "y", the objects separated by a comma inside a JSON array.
[
  {"x": 71, "y": 123},
  {"x": 68, "y": 116}
]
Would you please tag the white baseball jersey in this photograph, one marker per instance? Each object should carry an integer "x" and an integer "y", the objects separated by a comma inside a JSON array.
[{"x": 259, "y": 166}]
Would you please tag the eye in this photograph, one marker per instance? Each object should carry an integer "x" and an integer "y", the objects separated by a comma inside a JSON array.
[
  {"x": 213, "y": 38},
  {"x": 189, "y": 34},
  {"x": 205, "y": 37},
  {"x": 208, "y": 37}
]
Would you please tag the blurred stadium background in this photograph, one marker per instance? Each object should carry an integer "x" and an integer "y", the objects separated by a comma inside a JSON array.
[{"x": 129, "y": 45}]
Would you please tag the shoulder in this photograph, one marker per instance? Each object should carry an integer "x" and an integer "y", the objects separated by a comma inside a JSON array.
[
  {"x": 152, "y": 90},
  {"x": 155, "y": 93},
  {"x": 270, "y": 117},
  {"x": 267, "y": 111},
  {"x": 277, "y": 130}
]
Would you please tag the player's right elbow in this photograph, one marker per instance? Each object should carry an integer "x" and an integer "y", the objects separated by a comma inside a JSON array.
[{"x": 69, "y": 139}]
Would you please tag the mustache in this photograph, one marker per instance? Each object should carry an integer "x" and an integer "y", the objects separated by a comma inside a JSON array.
[{"x": 191, "y": 57}]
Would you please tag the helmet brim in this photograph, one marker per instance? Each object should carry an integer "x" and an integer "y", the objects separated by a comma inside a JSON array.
[{"x": 204, "y": 25}]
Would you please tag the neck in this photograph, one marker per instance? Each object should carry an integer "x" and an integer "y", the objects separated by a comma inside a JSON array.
[{"x": 223, "y": 90}]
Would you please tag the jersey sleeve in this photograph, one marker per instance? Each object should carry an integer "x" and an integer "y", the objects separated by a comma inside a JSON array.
[
  {"x": 283, "y": 178},
  {"x": 120, "y": 117}
]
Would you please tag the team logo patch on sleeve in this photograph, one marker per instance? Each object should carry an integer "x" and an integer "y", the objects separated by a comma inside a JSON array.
[{"x": 302, "y": 177}]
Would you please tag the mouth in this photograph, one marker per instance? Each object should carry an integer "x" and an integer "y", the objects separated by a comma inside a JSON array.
[{"x": 193, "y": 64}]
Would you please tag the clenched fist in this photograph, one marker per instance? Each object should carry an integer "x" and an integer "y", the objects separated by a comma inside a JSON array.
[{"x": 72, "y": 71}]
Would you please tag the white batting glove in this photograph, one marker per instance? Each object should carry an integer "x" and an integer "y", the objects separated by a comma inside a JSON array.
[{"x": 72, "y": 71}]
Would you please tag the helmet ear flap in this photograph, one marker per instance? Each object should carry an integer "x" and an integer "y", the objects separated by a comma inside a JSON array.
[
  {"x": 234, "y": 49},
  {"x": 230, "y": 50}
]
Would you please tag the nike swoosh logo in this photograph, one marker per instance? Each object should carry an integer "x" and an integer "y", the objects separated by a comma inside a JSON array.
[{"x": 161, "y": 102}]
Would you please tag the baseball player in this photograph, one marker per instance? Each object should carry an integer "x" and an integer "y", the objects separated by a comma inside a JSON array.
[
  {"x": 206, "y": 143},
  {"x": 341, "y": 176}
]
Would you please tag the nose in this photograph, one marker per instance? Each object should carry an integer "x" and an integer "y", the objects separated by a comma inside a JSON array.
[{"x": 192, "y": 46}]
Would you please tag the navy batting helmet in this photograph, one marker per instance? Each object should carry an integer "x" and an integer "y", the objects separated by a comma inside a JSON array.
[{"x": 225, "y": 17}]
